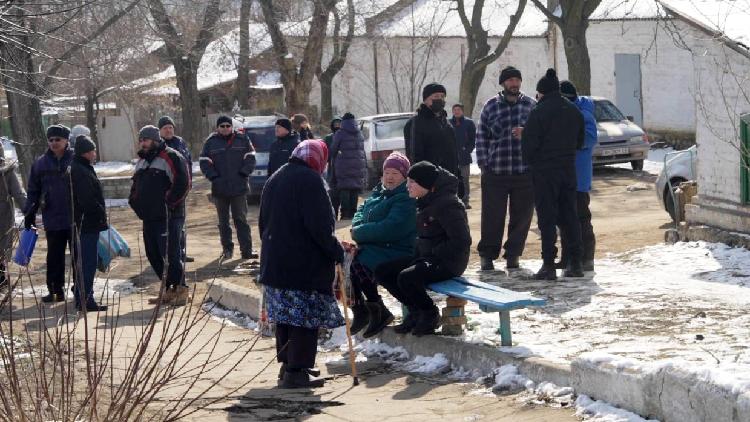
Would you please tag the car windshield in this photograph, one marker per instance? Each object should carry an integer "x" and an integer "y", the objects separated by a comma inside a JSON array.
[
  {"x": 261, "y": 137},
  {"x": 605, "y": 111},
  {"x": 385, "y": 129}
]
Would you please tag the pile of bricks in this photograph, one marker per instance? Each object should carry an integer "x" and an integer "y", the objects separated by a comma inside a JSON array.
[{"x": 454, "y": 318}]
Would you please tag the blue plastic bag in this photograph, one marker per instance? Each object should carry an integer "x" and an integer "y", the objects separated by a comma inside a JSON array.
[
  {"x": 26, "y": 243},
  {"x": 110, "y": 245}
]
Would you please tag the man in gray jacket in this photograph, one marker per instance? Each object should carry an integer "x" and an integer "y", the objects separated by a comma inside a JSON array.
[{"x": 227, "y": 160}]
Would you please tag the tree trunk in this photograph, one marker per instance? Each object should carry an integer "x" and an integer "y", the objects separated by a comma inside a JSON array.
[
  {"x": 192, "y": 109},
  {"x": 326, "y": 98},
  {"x": 471, "y": 80},
  {"x": 577, "y": 55},
  {"x": 243, "y": 64},
  {"x": 297, "y": 98}
]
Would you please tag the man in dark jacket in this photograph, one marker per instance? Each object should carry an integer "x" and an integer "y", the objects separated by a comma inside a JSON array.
[
  {"x": 160, "y": 184},
  {"x": 332, "y": 193},
  {"x": 301, "y": 125},
  {"x": 553, "y": 133},
  {"x": 465, "y": 132},
  {"x": 428, "y": 136},
  {"x": 505, "y": 178},
  {"x": 49, "y": 190},
  {"x": 281, "y": 149},
  {"x": 441, "y": 252},
  {"x": 90, "y": 217},
  {"x": 350, "y": 164},
  {"x": 228, "y": 160},
  {"x": 177, "y": 223}
]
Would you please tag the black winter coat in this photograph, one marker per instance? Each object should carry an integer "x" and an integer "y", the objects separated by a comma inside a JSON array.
[
  {"x": 348, "y": 157},
  {"x": 297, "y": 228},
  {"x": 465, "y": 132},
  {"x": 305, "y": 134},
  {"x": 433, "y": 140},
  {"x": 443, "y": 236},
  {"x": 280, "y": 151},
  {"x": 228, "y": 163},
  {"x": 553, "y": 133},
  {"x": 160, "y": 183},
  {"x": 89, "y": 210}
]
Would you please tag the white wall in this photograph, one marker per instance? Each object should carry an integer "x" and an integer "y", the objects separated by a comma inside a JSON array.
[{"x": 116, "y": 138}]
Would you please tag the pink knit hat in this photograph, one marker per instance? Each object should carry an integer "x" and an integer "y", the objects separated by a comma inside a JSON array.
[
  {"x": 397, "y": 161},
  {"x": 314, "y": 153}
]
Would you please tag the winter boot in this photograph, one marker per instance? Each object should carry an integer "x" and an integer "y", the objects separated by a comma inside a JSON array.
[
  {"x": 561, "y": 264},
  {"x": 512, "y": 263},
  {"x": 547, "y": 272},
  {"x": 408, "y": 323},
  {"x": 486, "y": 263},
  {"x": 227, "y": 255},
  {"x": 380, "y": 317},
  {"x": 53, "y": 297},
  {"x": 166, "y": 296},
  {"x": 574, "y": 269},
  {"x": 249, "y": 255},
  {"x": 300, "y": 378},
  {"x": 92, "y": 306},
  {"x": 181, "y": 295},
  {"x": 361, "y": 318},
  {"x": 429, "y": 321},
  {"x": 588, "y": 265},
  {"x": 315, "y": 372}
]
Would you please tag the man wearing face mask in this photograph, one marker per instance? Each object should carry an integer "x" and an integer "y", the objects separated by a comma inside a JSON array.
[
  {"x": 505, "y": 177},
  {"x": 429, "y": 136}
]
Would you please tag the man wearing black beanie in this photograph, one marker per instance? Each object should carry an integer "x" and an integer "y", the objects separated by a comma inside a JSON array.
[
  {"x": 428, "y": 136},
  {"x": 553, "y": 133},
  {"x": 505, "y": 177},
  {"x": 90, "y": 218}
]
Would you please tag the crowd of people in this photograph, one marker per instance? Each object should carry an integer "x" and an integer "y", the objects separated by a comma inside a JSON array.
[{"x": 412, "y": 229}]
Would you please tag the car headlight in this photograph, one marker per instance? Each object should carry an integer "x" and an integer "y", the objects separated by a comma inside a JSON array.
[{"x": 640, "y": 138}]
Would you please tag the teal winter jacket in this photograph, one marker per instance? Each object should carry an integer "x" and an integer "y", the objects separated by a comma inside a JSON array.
[{"x": 384, "y": 226}]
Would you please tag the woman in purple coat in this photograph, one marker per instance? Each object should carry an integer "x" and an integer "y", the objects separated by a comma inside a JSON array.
[{"x": 350, "y": 164}]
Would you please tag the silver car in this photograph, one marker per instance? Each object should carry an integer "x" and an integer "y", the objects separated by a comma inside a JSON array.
[
  {"x": 619, "y": 139},
  {"x": 679, "y": 166}
]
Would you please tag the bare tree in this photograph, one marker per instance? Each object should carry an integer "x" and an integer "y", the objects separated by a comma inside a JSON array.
[
  {"x": 243, "y": 63},
  {"x": 186, "y": 56},
  {"x": 297, "y": 77},
  {"x": 573, "y": 22},
  {"x": 340, "y": 51},
  {"x": 479, "y": 55}
]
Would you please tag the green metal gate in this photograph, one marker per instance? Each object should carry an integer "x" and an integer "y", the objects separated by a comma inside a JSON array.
[{"x": 745, "y": 153}]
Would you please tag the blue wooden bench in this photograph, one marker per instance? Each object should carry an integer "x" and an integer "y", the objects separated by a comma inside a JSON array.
[{"x": 490, "y": 299}]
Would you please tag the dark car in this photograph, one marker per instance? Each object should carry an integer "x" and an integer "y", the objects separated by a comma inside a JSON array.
[{"x": 262, "y": 132}]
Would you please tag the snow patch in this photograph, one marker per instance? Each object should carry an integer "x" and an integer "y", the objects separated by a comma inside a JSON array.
[
  {"x": 229, "y": 317},
  {"x": 116, "y": 203},
  {"x": 599, "y": 411},
  {"x": 428, "y": 365}
]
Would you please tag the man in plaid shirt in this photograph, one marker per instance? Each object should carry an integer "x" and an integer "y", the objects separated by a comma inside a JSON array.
[{"x": 505, "y": 178}]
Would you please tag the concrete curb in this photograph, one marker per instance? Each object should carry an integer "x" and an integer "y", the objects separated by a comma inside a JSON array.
[{"x": 667, "y": 393}]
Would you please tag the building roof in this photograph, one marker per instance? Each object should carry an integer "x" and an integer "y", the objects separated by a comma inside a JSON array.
[{"x": 730, "y": 18}]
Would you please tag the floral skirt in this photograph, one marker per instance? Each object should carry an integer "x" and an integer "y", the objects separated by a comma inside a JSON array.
[{"x": 302, "y": 308}]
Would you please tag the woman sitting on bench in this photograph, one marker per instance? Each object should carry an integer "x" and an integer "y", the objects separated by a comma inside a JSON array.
[
  {"x": 442, "y": 249},
  {"x": 384, "y": 228}
]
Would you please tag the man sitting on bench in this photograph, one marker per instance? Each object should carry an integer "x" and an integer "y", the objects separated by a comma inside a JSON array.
[{"x": 442, "y": 248}]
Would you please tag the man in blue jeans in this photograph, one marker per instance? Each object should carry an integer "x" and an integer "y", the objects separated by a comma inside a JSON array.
[{"x": 90, "y": 218}]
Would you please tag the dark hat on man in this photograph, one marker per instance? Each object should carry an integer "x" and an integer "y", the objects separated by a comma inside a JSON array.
[
  {"x": 58, "y": 131},
  {"x": 348, "y": 116},
  {"x": 223, "y": 119},
  {"x": 568, "y": 90},
  {"x": 424, "y": 173},
  {"x": 432, "y": 88},
  {"x": 548, "y": 83},
  {"x": 165, "y": 120},
  {"x": 286, "y": 123},
  {"x": 84, "y": 144},
  {"x": 149, "y": 132},
  {"x": 509, "y": 72}
]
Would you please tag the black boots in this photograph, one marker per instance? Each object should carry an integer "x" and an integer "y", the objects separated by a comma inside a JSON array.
[
  {"x": 428, "y": 322},
  {"x": 574, "y": 269},
  {"x": 547, "y": 272},
  {"x": 361, "y": 318},
  {"x": 588, "y": 265},
  {"x": 379, "y": 317},
  {"x": 409, "y": 322},
  {"x": 299, "y": 379},
  {"x": 486, "y": 263},
  {"x": 512, "y": 263},
  {"x": 315, "y": 372},
  {"x": 53, "y": 297}
]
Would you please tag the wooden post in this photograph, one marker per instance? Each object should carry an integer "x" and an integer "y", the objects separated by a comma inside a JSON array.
[{"x": 505, "y": 334}]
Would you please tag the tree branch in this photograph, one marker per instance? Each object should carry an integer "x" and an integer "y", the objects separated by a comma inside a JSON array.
[
  {"x": 165, "y": 28},
  {"x": 464, "y": 19},
  {"x": 589, "y": 7},
  {"x": 542, "y": 8},
  {"x": 205, "y": 36},
  {"x": 507, "y": 35}
]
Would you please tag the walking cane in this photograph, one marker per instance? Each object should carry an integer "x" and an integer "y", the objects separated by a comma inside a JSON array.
[{"x": 344, "y": 299}]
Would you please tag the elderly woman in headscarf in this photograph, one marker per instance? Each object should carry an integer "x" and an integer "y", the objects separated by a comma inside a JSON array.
[
  {"x": 298, "y": 259},
  {"x": 12, "y": 196}
]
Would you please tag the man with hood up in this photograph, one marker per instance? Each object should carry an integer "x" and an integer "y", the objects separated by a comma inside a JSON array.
[{"x": 350, "y": 165}]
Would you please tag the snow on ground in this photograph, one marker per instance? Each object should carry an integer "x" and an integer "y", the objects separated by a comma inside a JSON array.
[
  {"x": 113, "y": 168},
  {"x": 684, "y": 304},
  {"x": 229, "y": 317},
  {"x": 599, "y": 411},
  {"x": 116, "y": 203}
]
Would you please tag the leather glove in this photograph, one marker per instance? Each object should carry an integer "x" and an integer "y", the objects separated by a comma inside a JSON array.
[{"x": 29, "y": 221}]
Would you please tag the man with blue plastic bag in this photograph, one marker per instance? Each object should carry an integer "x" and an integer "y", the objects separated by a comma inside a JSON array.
[
  {"x": 49, "y": 191},
  {"x": 90, "y": 218}
]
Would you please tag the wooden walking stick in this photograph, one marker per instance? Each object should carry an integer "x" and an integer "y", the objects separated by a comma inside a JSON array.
[{"x": 344, "y": 300}]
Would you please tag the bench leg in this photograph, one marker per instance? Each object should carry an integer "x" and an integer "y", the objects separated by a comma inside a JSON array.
[{"x": 504, "y": 331}]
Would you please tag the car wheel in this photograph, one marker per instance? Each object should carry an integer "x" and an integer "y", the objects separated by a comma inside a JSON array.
[
  {"x": 637, "y": 165},
  {"x": 669, "y": 204}
]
